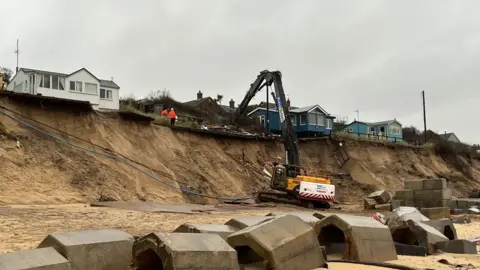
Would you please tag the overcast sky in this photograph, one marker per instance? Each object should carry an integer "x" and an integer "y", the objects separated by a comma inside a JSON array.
[{"x": 374, "y": 56}]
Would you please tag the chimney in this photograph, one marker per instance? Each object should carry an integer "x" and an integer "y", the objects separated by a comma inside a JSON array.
[
  {"x": 199, "y": 94},
  {"x": 232, "y": 104}
]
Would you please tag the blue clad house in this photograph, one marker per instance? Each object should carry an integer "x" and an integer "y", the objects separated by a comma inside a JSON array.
[
  {"x": 307, "y": 121},
  {"x": 389, "y": 130}
]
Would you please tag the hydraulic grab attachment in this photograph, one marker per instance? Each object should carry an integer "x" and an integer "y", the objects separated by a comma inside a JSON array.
[{"x": 292, "y": 185}]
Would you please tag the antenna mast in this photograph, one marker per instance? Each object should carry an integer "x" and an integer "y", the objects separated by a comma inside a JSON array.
[{"x": 17, "y": 52}]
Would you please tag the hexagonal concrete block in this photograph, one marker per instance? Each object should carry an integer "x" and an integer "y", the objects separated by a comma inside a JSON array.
[
  {"x": 305, "y": 216},
  {"x": 458, "y": 246},
  {"x": 179, "y": 251},
  {"x": 247, "y": 221},
  {"x": 445, "y": 226},
  {"x": 35, "y": 259},
  {"x": 92, "y": 250},
  {"x": 286, "y": 242},
  {"x": 223, "y": 230},
  {"x": 417, "y": 233},
  {"x": 357, "y": 238}
]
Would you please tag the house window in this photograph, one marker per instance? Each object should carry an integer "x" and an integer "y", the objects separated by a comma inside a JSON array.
[
  {"x": 320, "y": 120},
  {"x": 329, "y": 124},
  {"x": 76, "y": 86},
  {"x": 294, "y": 119},
  {"x": 91, "y": 88},
  {"x": 107, "y": 94},
  {"x": 26, "y": 87},
  {"x": 303, "y": 119},
  {"x": 372, "y": 130},
  {"x": 394, "y": 130},
  {"x": 45, "y": 81},
  {"x": 262, "y": 119}
]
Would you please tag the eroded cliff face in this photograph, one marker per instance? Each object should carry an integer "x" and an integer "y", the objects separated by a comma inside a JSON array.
[{"x": 41, "y": 170}]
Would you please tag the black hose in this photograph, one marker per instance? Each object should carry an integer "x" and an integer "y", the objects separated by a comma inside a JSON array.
[{"x": 387, "y": 265}]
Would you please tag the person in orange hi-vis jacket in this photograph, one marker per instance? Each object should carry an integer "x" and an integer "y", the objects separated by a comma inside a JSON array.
[
  {"x": 164, "y": 112},
  {"x": 173, "y": 116}
]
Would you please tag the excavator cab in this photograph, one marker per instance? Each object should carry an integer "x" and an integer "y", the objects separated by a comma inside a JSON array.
[{"x": 279, "y": 177}]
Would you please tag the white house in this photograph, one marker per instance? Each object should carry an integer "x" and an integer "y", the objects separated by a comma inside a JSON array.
[{"x": 79, "y": 85}]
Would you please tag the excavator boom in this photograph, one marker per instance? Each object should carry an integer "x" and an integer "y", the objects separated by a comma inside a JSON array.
[{"x": 267, "y": 78}]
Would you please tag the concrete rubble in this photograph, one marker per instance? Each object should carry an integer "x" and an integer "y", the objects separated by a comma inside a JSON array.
[
  {"x": 171, "y": 251},
  {"x": 404, "y": 213},
  {"x": 244, "y": 222},
  {"x": 445, "y": 226},
  {"x": 222, "y": 230},
  {"x": 35, "y": 259},
  {"x": 285, "y": 242},
  {"x": 412, "y": 232},
  {"x": 356, "y": 238},
  {"x": 458, "y": 246},
  {"x": 92, "y": 250},
  {"x": 377, "y": 200},
  {"x": 305, "y": 216}
]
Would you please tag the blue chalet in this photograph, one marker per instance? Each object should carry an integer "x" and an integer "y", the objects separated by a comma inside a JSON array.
[
  {"x": 388, "y": 130},
  {"x": 308, "y": 121}
]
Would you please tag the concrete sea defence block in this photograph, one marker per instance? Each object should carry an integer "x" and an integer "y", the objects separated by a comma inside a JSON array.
[
  {"x": 247, "y": 221},
  {"x": 380, "y": 196},
  {"x": 458, "y": 246},
  {"x": 358, "y": 238},
  {"x": 402, "y": 214},
  {"x": 445, "y": 226},
  {"x": 396, "y": 204},
  {"x": 411, "y": 232},
  {"x": 35, "y": 259},
  {"x": 178, "y": 251},
  {"x": 413, "y": 184},
  {"x": 438, "y": 183},
  {"x": 410, "y": 250},
  {"x": 436, "y": 212},
  {"x": 305, "y": 216},
  {"x": 93, "y": 250},
  {"x": 404, "y": 194},
  {"x": 223, "y": 230},
  {"x": 286, "y": 242}
]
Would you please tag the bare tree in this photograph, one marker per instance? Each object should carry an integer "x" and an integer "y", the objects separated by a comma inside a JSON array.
[
  {"x": 219, "y": 98},
  {"x": 6, "y": 74},
  {"x": 159, "y": 94}
]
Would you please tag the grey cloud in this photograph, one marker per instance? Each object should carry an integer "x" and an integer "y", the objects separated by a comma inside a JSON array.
[{"x": 375, "y": 56}]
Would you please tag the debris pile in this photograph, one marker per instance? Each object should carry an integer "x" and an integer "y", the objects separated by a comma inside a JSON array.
[{"x": 377, "y": 200}]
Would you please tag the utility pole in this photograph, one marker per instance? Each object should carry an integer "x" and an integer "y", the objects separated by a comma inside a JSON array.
[
  {"x": 266, "y": 120},
  {"x": 424, "y": 117},
  {"x": 17, "y": 52}
]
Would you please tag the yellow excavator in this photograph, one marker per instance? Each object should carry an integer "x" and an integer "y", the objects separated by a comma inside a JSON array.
[{"x": 289, "y": 180}]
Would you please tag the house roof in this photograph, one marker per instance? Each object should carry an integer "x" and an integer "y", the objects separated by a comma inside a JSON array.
[
  {"x": 296, "y": 110},
  {"x": 446, "y": 136},
  {"x": 308, "y": 109},
  {"x": 227, "y": 108},
  {"x": 197, "y": 102},
  {"x": 374, "y": 124},
  {"x": 104, "y": 83},
  {"x": 109, "y": 84}
]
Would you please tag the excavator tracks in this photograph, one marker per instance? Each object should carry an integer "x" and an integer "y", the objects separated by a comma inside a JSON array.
[{"x": 285, "y": 198}]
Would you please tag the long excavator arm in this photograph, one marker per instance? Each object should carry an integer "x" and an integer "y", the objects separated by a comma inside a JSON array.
[{"x": 267, "y": 78}]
